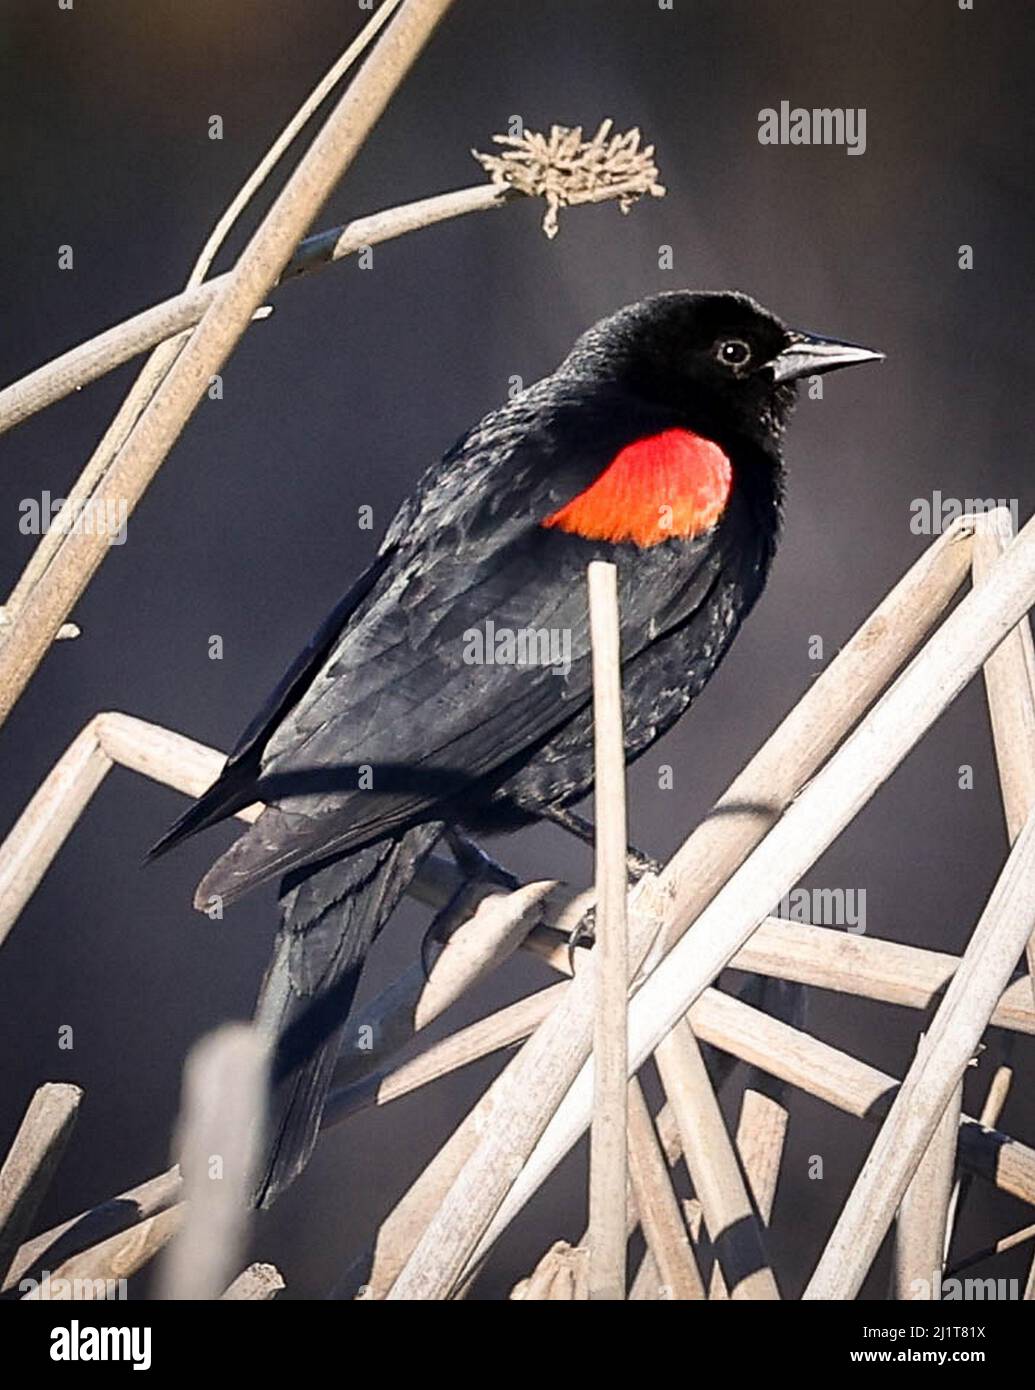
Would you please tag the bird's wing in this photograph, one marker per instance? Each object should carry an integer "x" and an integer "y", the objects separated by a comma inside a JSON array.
[{"x": 401, "y": 719}]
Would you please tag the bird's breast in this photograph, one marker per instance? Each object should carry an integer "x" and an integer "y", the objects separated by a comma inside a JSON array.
[{"x": 672, "y": 484}]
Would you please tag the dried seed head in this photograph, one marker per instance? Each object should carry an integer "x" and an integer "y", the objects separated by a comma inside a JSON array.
[{"x": 565, "y": 170}]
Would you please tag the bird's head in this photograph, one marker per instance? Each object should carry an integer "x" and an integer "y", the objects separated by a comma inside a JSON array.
[{"x": 720, "y": 360}]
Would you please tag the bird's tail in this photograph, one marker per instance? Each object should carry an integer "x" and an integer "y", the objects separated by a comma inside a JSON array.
[{"x": 330, "y": 915}]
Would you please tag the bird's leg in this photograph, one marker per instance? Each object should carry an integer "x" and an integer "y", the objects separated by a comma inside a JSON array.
[
  {"x": 477, "y": 867},
  {"x": 637, "y": 862},
  {"x": 637, "y": 865}
]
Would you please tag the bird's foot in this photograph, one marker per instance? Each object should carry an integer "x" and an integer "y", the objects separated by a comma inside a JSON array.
[
  {"x": 583, "y": 933},
  {"x": 637, "y": 863}
]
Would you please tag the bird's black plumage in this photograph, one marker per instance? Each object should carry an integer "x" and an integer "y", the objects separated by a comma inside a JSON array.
[{"x": 384, "y": 730}]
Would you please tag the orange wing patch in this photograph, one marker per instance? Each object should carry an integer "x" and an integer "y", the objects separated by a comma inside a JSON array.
[{"x": 671, "y": 484}]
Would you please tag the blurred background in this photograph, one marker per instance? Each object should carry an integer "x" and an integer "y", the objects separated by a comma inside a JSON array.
[{"x": 362, "y": 376}]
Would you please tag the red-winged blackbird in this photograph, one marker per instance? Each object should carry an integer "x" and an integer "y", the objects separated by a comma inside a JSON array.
[{"x": 656, "y": 445}]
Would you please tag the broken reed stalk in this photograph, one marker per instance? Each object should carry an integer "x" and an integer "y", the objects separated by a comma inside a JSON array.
[
  {"x": 499, "y": 1030},
  {"x": 762, "y": 1123},
  {"x": 258, "y": 1282},
  {"x": 31, "y": 1160},
  {"x": 166, "y": 352},
  {"x": 761, "y": 1135},
  {"x": 118, "y": 1257},
  {"x": 711, "y": 1161},
  {"x": 824, "y": 807},
  {"x": 52, "y": 1248},
  {"x": 608, "y": 1157},
  {"x": 991, "y": 1111},
  {"x": 1003, "y": 1244},
  {"x": 668, "y": 1241},
  {"x": 490, "y": 936},
  {"x": 219, "y": 1135},
  {"x": 990, "y": 1115},
  {"x": 224, "y": 321},
  {"x": 559, "y": 1277},
  {"x": 922, "y": 1222},
  {"x": 652, "y": 1151},
  {"x": 990, "y": 958},
  {"x": 1010, "y": 688}
]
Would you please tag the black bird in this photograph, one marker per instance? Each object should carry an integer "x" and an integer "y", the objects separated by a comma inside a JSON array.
[{"x": 656, "y": 445}]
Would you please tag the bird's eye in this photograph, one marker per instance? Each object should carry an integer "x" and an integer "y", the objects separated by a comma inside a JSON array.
[{"x": 734, "y": 352}]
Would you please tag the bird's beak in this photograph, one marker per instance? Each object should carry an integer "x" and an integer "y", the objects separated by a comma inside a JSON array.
[{"x": 808, "y": 355}]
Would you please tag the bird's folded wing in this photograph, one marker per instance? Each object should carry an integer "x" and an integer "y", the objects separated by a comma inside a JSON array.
[{"x": 460, "y": 663}]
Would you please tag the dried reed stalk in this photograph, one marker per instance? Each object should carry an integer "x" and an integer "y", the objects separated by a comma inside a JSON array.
[
  {"x": 54, "y": 1247},
  {"x": 1010, "y": 688},
  {"x": 478, "y": 946},
  {"x": 561, "y": 1276},
  {"x": 762, "y": 1124},
  {"x": 991, "y": 955},
  {"x": 118, "y": 1257},
  {"x": 258, "y": 1282},
  {"x": 608, "y": 1152},
  {"x": 172, "y": 319},
  {"x": 646, "y": 1284},
  {"x": 760, "y": 1139},
  {"x": 672, "y": 1262},
  {"x": 502, "y": 1029},
  {"x": 804, "y": 1062},
  {"x": 922, "y": 1223},
  {"x": 731, "y": 1220},
  {"x": 991, "y": 1111},
  {"x": 868, "y": 967},
  {"x": 31, "y": 1161},
  {"x": 796, "y": 951}
]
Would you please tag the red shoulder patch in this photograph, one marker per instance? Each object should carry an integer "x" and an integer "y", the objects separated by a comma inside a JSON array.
[{"x": 676, "y": 483}]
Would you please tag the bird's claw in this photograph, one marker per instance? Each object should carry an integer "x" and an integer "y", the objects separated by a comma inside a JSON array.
[
  {"x": 638, "y": 864},
  {"x": 582, "y": 933}
]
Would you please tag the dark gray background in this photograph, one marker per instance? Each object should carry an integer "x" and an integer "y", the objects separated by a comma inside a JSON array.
[{"x": 361, "y": 377}]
